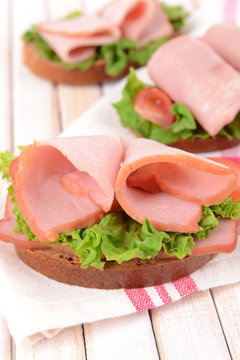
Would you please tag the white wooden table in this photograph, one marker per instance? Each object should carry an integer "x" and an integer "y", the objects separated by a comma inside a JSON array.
[{"x": 205, "y": 325}]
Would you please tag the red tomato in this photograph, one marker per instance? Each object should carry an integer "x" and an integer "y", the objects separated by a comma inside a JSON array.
[{"x": 154, "y": 105}]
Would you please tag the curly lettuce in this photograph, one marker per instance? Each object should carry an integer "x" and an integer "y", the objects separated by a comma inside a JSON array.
[
  {"x": 184, "y": 127},
  {"x": 176, "y": 15},
  {"x": 5, "y": 159}
]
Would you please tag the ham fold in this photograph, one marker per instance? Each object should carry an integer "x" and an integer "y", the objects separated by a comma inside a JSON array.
[
  {"x": 73, "y": 40},
  {"x": 168, "y": 186},
  {"x": 193, "y": 74},
  {"x": 140, "y": 20},
  {"x": 67, "y": 183},
  {"x": 225, "y": 40}
]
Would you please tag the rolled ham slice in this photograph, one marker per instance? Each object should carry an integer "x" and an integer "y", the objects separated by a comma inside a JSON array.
[
  {"x": 168, "y": 186},
  {"x": 67, "y": 183},
  {"x": 222, "y": 239},
  {"x": 73, "y": 40},
  {"x": 139, "y": 20},
  {"x": 225, "y": 40},
  {"x": 193, "y": 74}
]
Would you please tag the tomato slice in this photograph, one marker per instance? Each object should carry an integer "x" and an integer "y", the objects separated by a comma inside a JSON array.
[
  {"x": 154, "y": 105},
  {"x": 235, "y": 167}
]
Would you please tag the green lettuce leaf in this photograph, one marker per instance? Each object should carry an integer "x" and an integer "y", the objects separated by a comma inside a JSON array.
[
  {"x": 5, "y": 160},
  {"x": 183, "y": 119},
  {"x": 143, "y": 54},
  {"x": 233, "y": 129},
  {"x": 116, "y": 55},
  {"x": 179, "y": 245},
  {"x": 227, "y": 209},
  {"x": 207, "y": 222},
  {"x": 184, "y": 127},
  {"x": 176, "y": 15},
  {"x": 73, "y": 14}
]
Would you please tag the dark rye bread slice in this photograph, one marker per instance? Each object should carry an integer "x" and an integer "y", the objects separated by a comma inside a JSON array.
[
  {"x": 135, "y": 273},
  {"x": 58, "y": 73},
  {"x": 205, "y": 145}
]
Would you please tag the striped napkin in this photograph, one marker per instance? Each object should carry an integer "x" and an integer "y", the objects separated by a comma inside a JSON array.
[{"x": 35, "y": 306}]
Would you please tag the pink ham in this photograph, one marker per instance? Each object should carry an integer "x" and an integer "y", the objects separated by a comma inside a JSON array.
[
  {"x": 223, "y": 239},
  {"x": 48, "y": 205},
  {"x": 193, "y": 74},
  {"x": 168, "y": 186},
  {"x": 73, "y": 40},
  {"x": 225, "y": 40},
  {"x": 7, "y": 235},
  {"x": 139, "y": 20},
  {"x": 158, "y": 27}
]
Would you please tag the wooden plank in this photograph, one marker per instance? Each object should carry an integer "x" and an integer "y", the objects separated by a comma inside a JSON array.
[
  {"x": 128, "y": 337},
  {"x": 189, "y": 330},
  {"x": 227, "y": 300},
  {"x": 5, "y": 340},
  {"x": 33, "y": 98},
  {"x": 65, "y": 345},
  {"x": 73, "y": 100},
  {"x": 5, "y": 84}
]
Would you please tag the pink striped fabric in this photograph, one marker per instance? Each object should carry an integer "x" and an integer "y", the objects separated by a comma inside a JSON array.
[
  {"x": 163, "y": 294},
  {"x": 185, "y": 286},
  {"x": 140, "y": 299}
]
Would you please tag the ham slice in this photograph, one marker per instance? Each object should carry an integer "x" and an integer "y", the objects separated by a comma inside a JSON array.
[
  {"x": 193, "y": 74},
  {"x": 7, "y": 235},
  {"x": 236, "y": 168},
  {"x": 176, "y": 183},
  {"x": 222, "y": 239},
  {"x": 45, "y": 187},
  {"x": 225, "y": 40},
  {"x": 158, "y": 27},
  {"x": 139, "y": 20},
  {"x": 73, "y": 40}
]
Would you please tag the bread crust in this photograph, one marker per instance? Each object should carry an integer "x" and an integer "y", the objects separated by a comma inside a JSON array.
[
  {"x": 205, "y": 145},
  {"x": 135, "y": 273},
  {"x": 58, "y": 73}
]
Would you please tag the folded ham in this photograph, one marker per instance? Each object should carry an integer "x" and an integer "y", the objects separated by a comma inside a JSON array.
[
  {"x": 168, "y": 186},
  {"x": 73, "y": 40},
  {"x": 66, "y": 183},
  {"x": 225, "y": 40},
  {"x": 140, "y": 20},
  {"x": 194, "y": 75}
]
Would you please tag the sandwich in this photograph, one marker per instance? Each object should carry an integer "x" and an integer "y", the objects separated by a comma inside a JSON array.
[
  {"x": 94, "y": 212},
  {"x": 91, "y": 48},
  {"x": 194, "y": 102}
]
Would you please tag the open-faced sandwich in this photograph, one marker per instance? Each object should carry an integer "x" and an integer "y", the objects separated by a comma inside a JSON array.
[
  {"x": 91, "y": 48},
  {"x": 94, "y": 212},
  {"x": 194, "y": 103}
]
